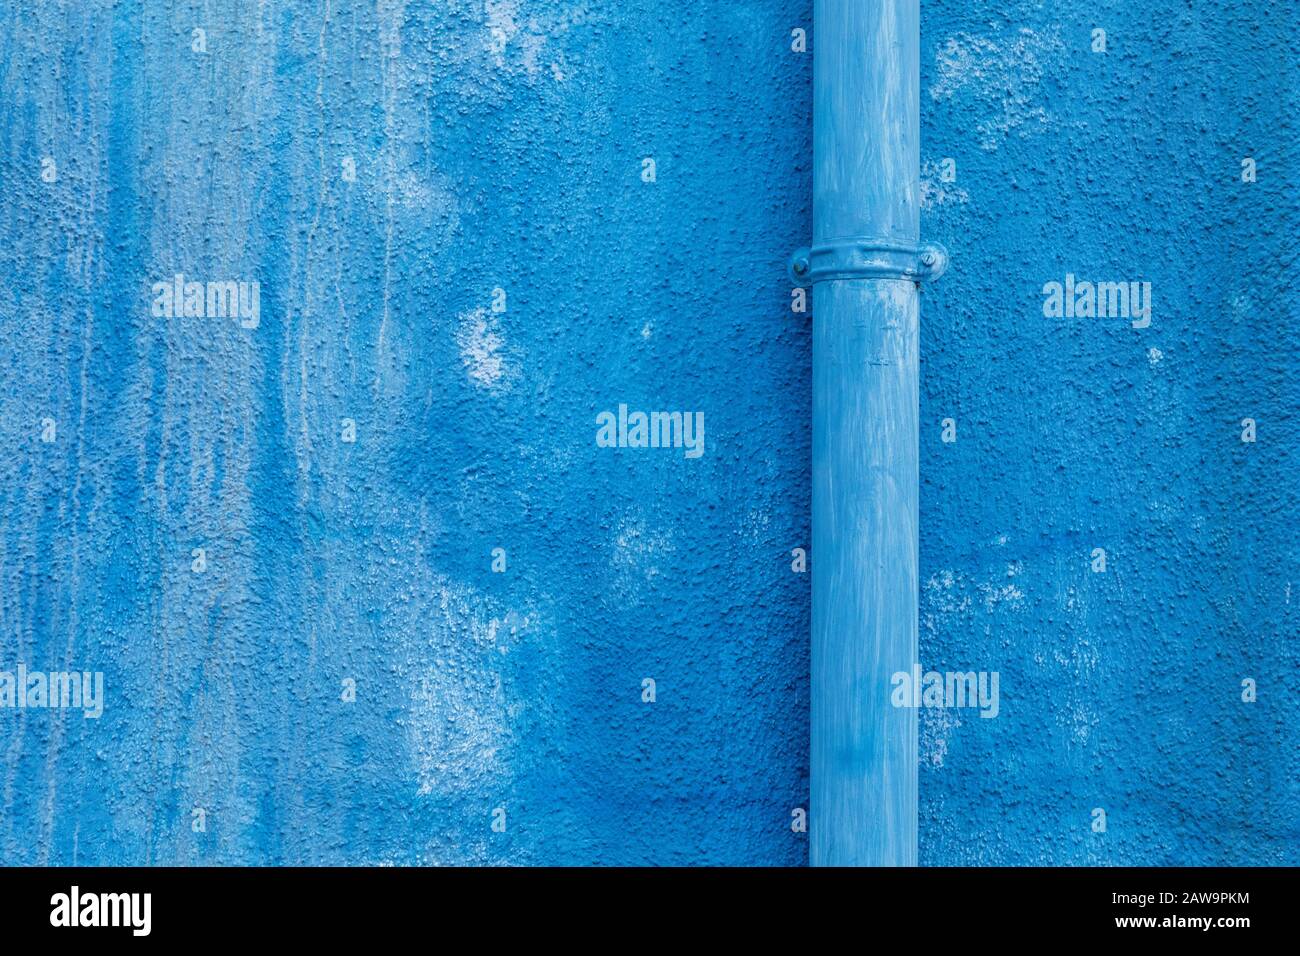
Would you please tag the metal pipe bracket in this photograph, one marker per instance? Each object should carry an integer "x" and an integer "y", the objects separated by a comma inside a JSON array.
[{"x": 867, "y": 258}]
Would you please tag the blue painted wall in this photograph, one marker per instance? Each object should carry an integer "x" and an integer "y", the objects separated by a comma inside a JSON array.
[
  {"x": 500, "y": 145},
  {"x": 1120, "y": 691},
  {"x": 496, "y": 145}
]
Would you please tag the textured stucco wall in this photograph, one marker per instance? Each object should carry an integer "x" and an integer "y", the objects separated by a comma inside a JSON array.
[
  {"x": 496, "y": 145},
  {"x": 1120, "y": 691},
  {"x": 500, "y": 145}
]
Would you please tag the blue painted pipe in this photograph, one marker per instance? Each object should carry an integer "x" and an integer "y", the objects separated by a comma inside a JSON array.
[{"x": 865, "y": 262}]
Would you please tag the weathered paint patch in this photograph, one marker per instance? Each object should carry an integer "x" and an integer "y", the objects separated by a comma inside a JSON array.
[
  {"x": 1001, "y": 74},
  {"x": 483, "y": 350}
]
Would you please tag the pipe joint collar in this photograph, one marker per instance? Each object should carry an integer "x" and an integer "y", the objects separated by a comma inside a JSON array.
[{"x": 867, "y": 258}]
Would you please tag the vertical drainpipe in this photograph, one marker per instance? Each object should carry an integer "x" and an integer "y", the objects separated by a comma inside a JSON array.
[{"x": 865, "y": 265}]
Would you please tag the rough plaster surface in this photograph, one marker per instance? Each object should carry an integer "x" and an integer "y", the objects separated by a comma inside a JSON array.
[
  {"x": 496, "y": 145},
  {"x": 1121, "y": 690},
  {"x": 499, "y": 145}
]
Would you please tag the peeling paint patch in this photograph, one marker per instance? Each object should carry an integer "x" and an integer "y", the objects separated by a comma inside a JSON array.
[
  {"x": 459, "y": 721},
  {"x": 935, "y": 192},
  {"x": 999, "y": 77},
  {"x": 998, "y": 594},
  {"x": 483, "y": 350},
  {"x": 637, "y": 554},
  {"x": 936, "y": 728},
  {"x": 1080, "y": 722},
  {"x": 502, "y": 24},
  {"x": 521, "y": 43}
]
